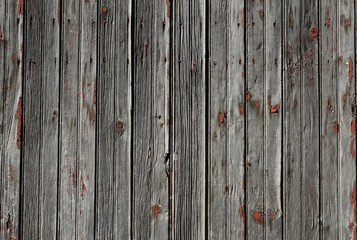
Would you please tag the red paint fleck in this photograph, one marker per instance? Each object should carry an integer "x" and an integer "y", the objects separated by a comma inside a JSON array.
[
  {"x": 351, "y": 225},
  {"x": 328, "y": 21},
  {"x": 156, "y": 210},
  {"x": 83, "y": 187},
  {"x": 241, "y": 108},
  {"x": 345, "y": 94},
  {"x": 58, "y": 10},
  {"x": 329, "y": 106},
  {"x": 19, "y": 122},
  {"x": 95, "y": 93},
  {"x": 355, "y": 233},
  {"x": 104, "y": 10},
  {"x": 248, "y": 96},
  {"x": 269, "y": 101},
  {"x": 221, "y": 116},
  {"x": 73, "y": 176},
  {"x": 20, "y": 6},
  {"x": 353, "y": 127},
  {"x": 353, "y": 200},
  {"x": 350, "y": 70},
  {"x": 92, "y": 115},
  {"x": 261, "y": 13},
  {"x": 314, "y": 33},
  {"x": 335, "y": 128},
  {"x": 10, "y": 226},
  {"x": 274, "y": 109},
  {"x": 242, "y": 213},
  {"x": 347, "y": 22},
  {"x": 257, "y": 104},
  {"x": 168, "y": 8},
  {"x": 1, "y": 37},
  {"x": 257, "y": 216},
  {"x": 119, "y": 124},
  {"x": 352, "y": 148}
]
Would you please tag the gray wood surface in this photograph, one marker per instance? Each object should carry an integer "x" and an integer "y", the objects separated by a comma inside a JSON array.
[
  {"x": 329, "y": 120},
  {"x": 123, "y": 119},
  {"x": 11, "y": 63}
]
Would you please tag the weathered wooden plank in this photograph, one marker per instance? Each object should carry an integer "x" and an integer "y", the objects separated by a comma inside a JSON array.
[
  {"x": 292, "y": 125},
  {"x": 86, "y": 122},
  {"x": 11, "y": 64},
  {"x": 32, "y": 120},
  {"x": 113, "y": 164},
  {"x": 346, "y": 89},
  {"x": 310, "y": 120},
  {"x": 123, "y": 121},
  {"x": 48, "y": 168},
  {"x": 69, "y": 119},
  {"x": 189, "y": 119},
  {"x": 273, "y": 119},
  {"x": 255, "y": 142},
  {"x": 150, "y": 74},
  {"x": 329, "y": 120},
  {"x": 226, "y": 141},
  {"x": 235, "y": 121},
  {"x": 217, "y": 141}
]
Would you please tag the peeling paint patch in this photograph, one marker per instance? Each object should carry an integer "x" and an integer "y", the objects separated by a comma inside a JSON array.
[
  {"x": 274, "y": 109},
  {"x": 257, "y": 216},
  {"x": 314, "y": 33},
  {"x": 329, "y": 105},
  {"x": 353, "y": 127},
  {"x": 242, "y": 213},
  {"x": 156, "y": 210},
  {"x": 257, "y": 104},
  {"x": 221, "y": 117},
  {"x": 352, "y": 148},
  {"x": 248, "y": 96},
  {"x": 19, "y": 122},
  {"x": 168, "y": 8},
  {"x": 261, "y": 13},
  {"x": 83, "y": 187},
  {"x": 328, "y": 21},
  {"x": 350, "y": 70},
  {"x": 20, "y": 6},
  {"x": 241, "y": 108},
  {"x": 353, "y": 200},
  {"x": 335, "y": 128}
]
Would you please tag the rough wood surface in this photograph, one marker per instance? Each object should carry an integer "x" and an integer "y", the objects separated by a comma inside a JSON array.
[
  {"x": 178, "y": 119},
  {"x": 346, "y": 91},
  {"x": 189, "y": 119},
  {"x": 329, "y": 120},
  {"x": 113, "y": 163},
  {"x": 11, "y": 65}
]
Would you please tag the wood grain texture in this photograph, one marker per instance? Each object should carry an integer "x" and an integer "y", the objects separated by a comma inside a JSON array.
[
  {"x": 226, "y": 123},
  {"x": 189, "y": 119},
  {"x": 113, "y": 163},
  {"x": 87, "y": 116},
  {"x": 255, "y": 124},
  {"x": 329, "y": 178},
  {"x": 292, "y": 121},
  {"x": 346, "y": 91},
  {"x": 11, "y": 63},
  {"x": 69, "y": 120},
  {"x": 273, "y": 120},
  {"x": 151, "y": 58}
]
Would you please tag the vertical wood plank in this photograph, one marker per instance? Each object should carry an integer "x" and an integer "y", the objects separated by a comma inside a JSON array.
[
  {"x": 292, "y": 125},
  {"x": 113, "y": 164},
  {"x": 310, "y": 120},
  {"x": 329, "y": 119},
  {"x": 11, "y": 64},
  {"x": 69, "y": 110},
  {"x": 235, "y": 121},
  {"x": 347, "y": 122},
  {"x": 86, "y": 122},
  {"x": 255, "y": 142},
  {"x": 151, "y": 61},
  {"x": 226, "y": 141},
  {"x": 273, "y": 119},
  {"x": 40, "y": 120},
  {"x": 217, "y": 163},
  {"x": 189, "y": 119},
  {"x": 49, "y": 120}
]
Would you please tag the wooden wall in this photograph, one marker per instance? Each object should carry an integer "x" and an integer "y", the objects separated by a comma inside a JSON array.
[{"x": 178, "y": 119}]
